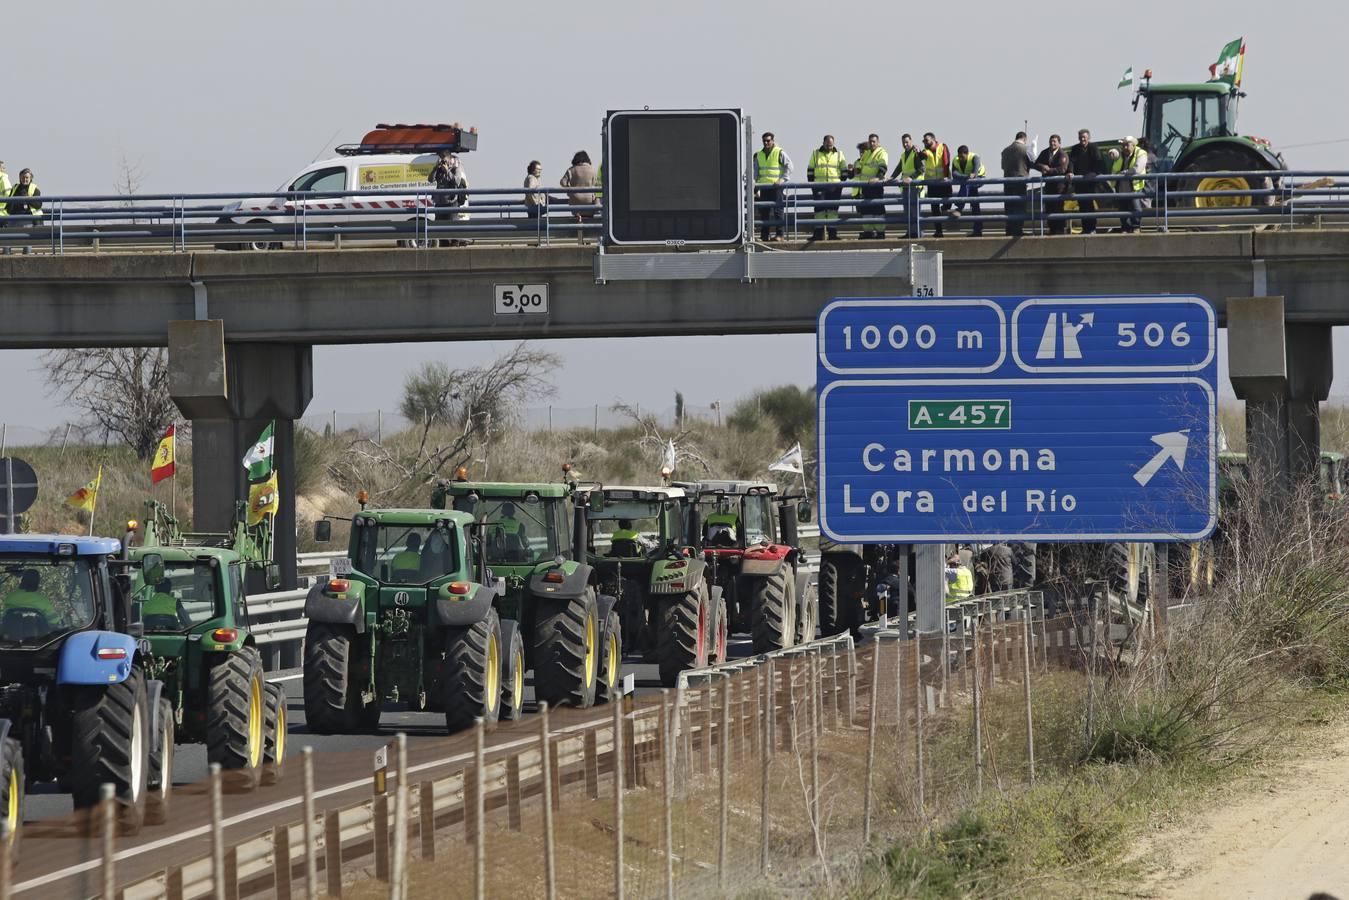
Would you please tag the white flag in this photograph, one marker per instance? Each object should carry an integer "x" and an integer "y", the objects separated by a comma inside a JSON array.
[
  {"x": 667, "y": 464},
  {"x": 789, "y": 462}
]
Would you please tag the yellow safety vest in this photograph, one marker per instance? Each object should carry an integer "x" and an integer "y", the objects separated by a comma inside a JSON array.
[
  {"x": 38, "y": 603},
  {"x": 406, "y": 561},
  {"x": 873, "y": 164},
  {"x": 1121, "y": 164},
  {"x": 32, "y": 193},
  {"x": 968, "y": 166},
  {"x": 908, "y": 163},
  {"x": 770, "y": 166},
  {"x": 5, "y": 188},
  {"x": 624, "y": 534},
  {"x": 932, "y": 162},
  {"x": 827, "y": 165},
  {"x": 962, "y": 588}
]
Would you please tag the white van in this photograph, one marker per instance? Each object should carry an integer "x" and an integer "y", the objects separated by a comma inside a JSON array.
[{"x": 360, "y": 167}]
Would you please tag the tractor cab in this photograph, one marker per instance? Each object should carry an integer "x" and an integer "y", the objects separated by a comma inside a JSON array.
[
  {"x": 53, "y": 586},
  {"x": 636, "y": 523},
  {"x": 734, "y": 516},
  {"x": 1177, "y": 115}
]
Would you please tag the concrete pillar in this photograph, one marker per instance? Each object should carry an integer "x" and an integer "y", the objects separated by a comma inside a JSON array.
[
  {"x": 930, "y": 587},
  {"x": 231, "y": 392},
  {"x": 1283, "y": 371}
]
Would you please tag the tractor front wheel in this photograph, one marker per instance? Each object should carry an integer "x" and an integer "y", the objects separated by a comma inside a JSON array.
[
  {"x": 611, "y": 659},
  {"x": 773, "y": 611},
  {"x": 512, "y": 671},
  {"x": 471, "y": 678},
  {"x": 567, "y": 650},
  {"x": 682, "y": 640},
  {"x": 333, "y": 681},
  {"x": 11, "y": 792},
  {"x": 110, "y": 744}
]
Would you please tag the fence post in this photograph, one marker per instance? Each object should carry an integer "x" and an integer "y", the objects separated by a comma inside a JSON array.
[
  {"x": 871, "y": 741},
  {"x": 380, "y": 827},
  {"x": 332, "y": 851},
  {"x": 978, "y": 700},
  {"x": 705, "y": 745},
  {"x": 311, "y": 866},
  {"x": 919, "y": 701},
  {"x": 667, "y": 791},
  {"x": 590, "y": 744},
  {"x": 546, "y": 760},
  {"x": 5, "y": 866},
  {"x": 280, "y": 862},
  {"x": 479, "y": 812},
  {"x": 723, "y": 750},
  {"x": 426, "y": 828},
  {"x": 851, "y": 679},
  {"x": 765, "y": 755},
  {"x": 619, "y": 761},
  {"x": 107, "y": 818},
  {"x": 1025, "y": 677},
  {"x": 513, "y": 798},
  {"x": 813, "y": 710},
  {"x": 217, "y": 834},
  {"x": 401, "y": 816}
]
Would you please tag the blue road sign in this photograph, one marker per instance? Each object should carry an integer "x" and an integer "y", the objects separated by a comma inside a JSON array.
[{"x": 1017, "y": 418}]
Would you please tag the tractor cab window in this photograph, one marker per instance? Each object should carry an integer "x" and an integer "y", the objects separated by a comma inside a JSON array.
[
  {"x": 721, "y": 521},
  {"x": 404, "y": 554},
  {"x": 1209, "y": 120},
  {"x": 758, "y": 519},
  {"x": 519, "y": 531},
  {"x": 627, "y": 529},
  {"x": 42, "y": 597},
  {"x": 1170, "y": 124},
  {"x": 188, "y": 596}
]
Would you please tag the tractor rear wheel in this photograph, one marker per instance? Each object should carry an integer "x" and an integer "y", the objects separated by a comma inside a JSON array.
[
  {"x": 236, "y": 717},
  {"x": 11, "y": 792},
  {"x": 512, "y": 671},
  {"x": 1223, "y": 160},
  {"x": 773, "y": 611},
  {"x": 110, "y": 744},
  {"x": 1023, "y": 565},
  {"x": 682, "y": 641},
  {"x": 567, "y": 650},
  {"x": 808, "y": 614},
  {"x": 721, "y": 628},
  {"x": 332, "y": 680},
  {"x": 471, "y": 676},
  {"x": 160, "y": 779},
  {"x": 274, "y": 747},
  {"x": 833, "y": 617},
  {"x": 611, "y": 660}
]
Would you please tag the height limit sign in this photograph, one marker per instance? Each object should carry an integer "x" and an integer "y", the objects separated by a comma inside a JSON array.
[{"x": 1017, "y": 418}]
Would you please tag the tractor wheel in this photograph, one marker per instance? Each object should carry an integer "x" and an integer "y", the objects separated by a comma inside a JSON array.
[
  {"x": 236, "y": 717},
  {"x": 110, "y": 744},
  {"x": 1023, "y": 565},
  {"x": 471, "y": 678},
  {"x": 611, "y": 660},
  {"x": 332, "y": 681},
  {"x": 808, "y": 615},
  {"x": 773, "y": 611},
  {"x": 567, "y": 650},
  {"x": 721, "y": 628},
  {"x": 683, "y": 634},
  {"x": 512, "y": 671},
  {"x": 11, "y": 792},
  {"x": 1219, "y": 160},
  {"x": 274, "y": 746},
  {"x": 834, "y": 619},
  {"x": 160, "y": 779}
]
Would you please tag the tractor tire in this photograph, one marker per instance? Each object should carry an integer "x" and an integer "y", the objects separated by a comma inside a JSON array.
[
  {"x": 470, "y": 681},
  {"x": 110, "y": 744},
  {"x": 160, "y": 779},
  {"x": 567, "y": 650},
  {"x": 808, "y": 614},
  {"x": 1023, "y": 565},
  {"x": 332, "y": 686},
  {"x": 236, "y": 717},
  {"x": 274, "y": 744},
  {"x": 834, "y": 618},
  {"x": 12, "y": 793},
  {"x": 512, "y": 671},
  {"x": 682, "y": 642},
  {"x": 611, "y": 660},
  {"x": 1219, "y": 160},
  {"x": 773, "y": 611},
  {"x": 721, "y": 628}
]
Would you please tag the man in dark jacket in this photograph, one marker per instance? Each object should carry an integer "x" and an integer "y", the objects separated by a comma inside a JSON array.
[
  {"x": 448, "y": 176},
  {"x": 1085, "y": 166},
  {"x": 1053, "y": 163},
  {"x": 1016, "y": 163}
]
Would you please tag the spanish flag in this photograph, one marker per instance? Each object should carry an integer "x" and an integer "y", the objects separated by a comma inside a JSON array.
[
  {"x": 163, "y": 465},
  {"x": 87, "y": 496},
  {"x": 263, "y": 497}
]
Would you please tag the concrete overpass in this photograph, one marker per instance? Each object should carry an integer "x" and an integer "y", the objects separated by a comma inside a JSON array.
[{"x": 245, "y": 323}]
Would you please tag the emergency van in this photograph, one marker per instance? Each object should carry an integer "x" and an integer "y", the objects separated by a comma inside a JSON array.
[{"x": 389, "y": 158}]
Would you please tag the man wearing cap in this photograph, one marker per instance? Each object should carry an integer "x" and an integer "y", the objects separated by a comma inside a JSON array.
[
  {"x": 959, "y": 580},
  {"x": 1132, "y": 161}
]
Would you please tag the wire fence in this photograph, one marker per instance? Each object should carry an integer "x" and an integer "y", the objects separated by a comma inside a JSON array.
[
  {"x": 376, "y": 424},
  {"x": 771, "y": 773}
]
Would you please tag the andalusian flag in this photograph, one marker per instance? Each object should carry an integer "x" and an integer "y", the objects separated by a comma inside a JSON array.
[
  {"x": 87, "y": 496},
  {"x": 1230, "y": 61},
  {"x": 263, "y": 498},
  {"x": 163, "y": 466},
  {"x": 1126, "y": 79},
  {"x": 258, "y": 460}
]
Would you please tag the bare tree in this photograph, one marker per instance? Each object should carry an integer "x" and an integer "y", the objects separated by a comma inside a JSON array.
[
  {"x": 129, "y": 181},
  {"x": 122, "y": 391}
]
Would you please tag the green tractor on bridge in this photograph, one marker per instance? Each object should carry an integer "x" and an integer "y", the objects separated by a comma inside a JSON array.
[{"x": 195, "y": 614}]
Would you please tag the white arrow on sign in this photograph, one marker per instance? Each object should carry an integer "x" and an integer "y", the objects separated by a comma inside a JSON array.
[
  {"x": 1173, "y": 444},
  {"x": 1049, "y": 340}
]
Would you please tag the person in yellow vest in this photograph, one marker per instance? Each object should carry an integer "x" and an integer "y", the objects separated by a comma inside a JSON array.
[
  {"x": 967, "y": 170},
  {"x": 407, "y": 563},
  {"x": 25, "y": 188},
  {"x": 1132, "y": 160},
  {"x": 827, "y": 167},
  {"x": 937, "y": 169},
  {"x": 909, "y": 172},
  {"x": 5, "y": 188},
  {"x": 721, "y": 529},
  {"x": 162, "y": 612},
  {"x": 871, "y": 168},
  {"x": 772, "y": 168},
  {"x": 626, "y": 540},
  {"x": 29, "y": 596},
  {"x": 959, "y": 580}
]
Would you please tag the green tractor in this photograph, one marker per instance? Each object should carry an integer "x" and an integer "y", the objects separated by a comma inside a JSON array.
[
  {"x": 535, "y": 537},
  {"x": 1193, "y": 128},
  {"x": 644, "y": 554},
  {"x": 410, "y": 615},
  {"x": 195, "y": 613}
]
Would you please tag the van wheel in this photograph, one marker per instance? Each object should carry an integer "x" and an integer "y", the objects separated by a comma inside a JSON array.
[{"x": 261, "y": 245}]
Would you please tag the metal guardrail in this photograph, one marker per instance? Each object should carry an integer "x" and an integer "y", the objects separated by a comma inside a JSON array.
[{"x": 271, "y": 219}]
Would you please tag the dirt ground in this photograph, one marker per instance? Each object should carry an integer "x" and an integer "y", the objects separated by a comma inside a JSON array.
[{"x": 1284, "y": 835}]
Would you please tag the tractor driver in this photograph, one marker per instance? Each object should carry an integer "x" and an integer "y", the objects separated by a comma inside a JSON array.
[
  {"x": 722, "y": 528},
  {"x": 508, "y": 532},
  {"x": 29, "y": 596},
  {"x": 408, "y": 561},
  {"x": 626, "y": 540},
  {"x": 162, "y": 610}
]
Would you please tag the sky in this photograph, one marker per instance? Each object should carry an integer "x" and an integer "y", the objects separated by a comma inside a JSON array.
[{"x": 241, "y": 96}]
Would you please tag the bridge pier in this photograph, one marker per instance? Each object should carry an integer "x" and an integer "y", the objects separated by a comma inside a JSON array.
[
  {"x": 231, "y": 392},
  {"x": 1283, "y": 371}
]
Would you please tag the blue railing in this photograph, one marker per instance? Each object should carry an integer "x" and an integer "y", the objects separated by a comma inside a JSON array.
[{"x": 265, "y": 220}]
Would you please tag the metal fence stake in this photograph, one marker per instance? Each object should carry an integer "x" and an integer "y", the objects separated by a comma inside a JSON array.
[
  {"x": 398, "y": 874},
  {"x": 280, "y": 862},
  {"x": 426, "y": 828},
  {"x": 667, "y": 791},
  {"x": 871, "y": 741},
  {"x": 978, "y": 700},
  {"x": 479, "y": 812},
  {"x": 619, "y": 762},
  {"x": 107, "y": 815},
  {"x": 765, "y": 755},
  {"x": 723, "y": 750},
  {"x": 813, "y": 711},
  {"x": 546, "y": 779},
  {"x": 217, "y": 833},
  {"x": 380, "y": 829},
  {"x": 6, "y": 866},
  {"x": 332, "y": 851},
  {"x": 919, "y": 701},
  {"x": 1025, "y": 677},
  {"x": 311, "y": 866}
]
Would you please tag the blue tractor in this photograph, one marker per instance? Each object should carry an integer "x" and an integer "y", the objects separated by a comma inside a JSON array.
[{"x": 76, "y": 706}]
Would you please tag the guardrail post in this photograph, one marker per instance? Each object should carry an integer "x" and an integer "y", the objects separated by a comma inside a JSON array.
[
  {"x": 920, "y": 700},
  {"x": 667, "y": 790},
  {"x": 107, "y": 823},
  {"x": 426, "y": 816},
  {"x": 173, "y": 888},
  {"x": 705, "y": 743},
  {"x": 977, "y": 703},
  {"x": 232, "y": 874},
  {"x": 619, "y": 764},
  {"x": 217, "y": 833},
  {"x": 311, "y": 865},
  {"x": 813, "y": 710},
  {"x": 546, "y": 780},
  {"x": 479, "y": 812},
  {"x": 332, "y": 852},
  {"x": 765, "y": 756},
  {"x": 280, "y": 862},
  {"x": 381, "y": 836}
]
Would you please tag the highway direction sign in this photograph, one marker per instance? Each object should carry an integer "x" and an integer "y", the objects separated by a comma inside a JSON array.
[{"x": 1017, "y": 418}]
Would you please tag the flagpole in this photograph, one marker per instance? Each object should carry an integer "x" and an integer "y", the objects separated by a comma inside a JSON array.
[{"x": 93, "y": 507}]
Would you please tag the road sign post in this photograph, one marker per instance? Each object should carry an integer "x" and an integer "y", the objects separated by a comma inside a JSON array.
[{"x": 1017, "y": 418}]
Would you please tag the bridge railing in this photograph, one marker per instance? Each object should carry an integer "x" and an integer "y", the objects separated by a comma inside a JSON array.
[{"x": 419, "y": 218}]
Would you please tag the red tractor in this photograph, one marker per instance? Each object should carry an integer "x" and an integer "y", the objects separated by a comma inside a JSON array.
[{"x": 749, "y": 540}]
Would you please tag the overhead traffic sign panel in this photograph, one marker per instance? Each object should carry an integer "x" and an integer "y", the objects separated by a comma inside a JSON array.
[{"x": 1017, "y": 418}]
